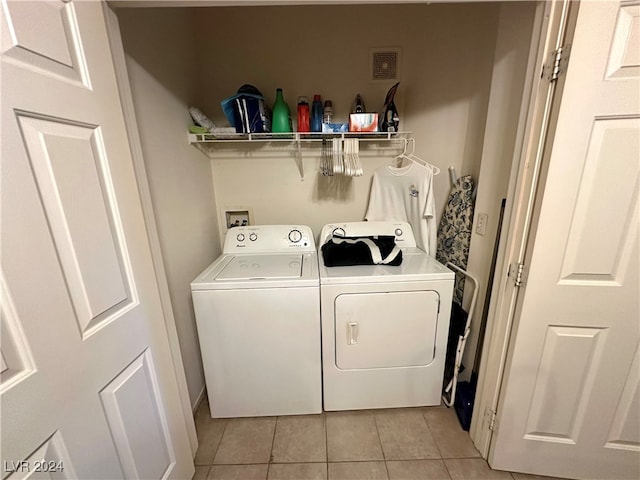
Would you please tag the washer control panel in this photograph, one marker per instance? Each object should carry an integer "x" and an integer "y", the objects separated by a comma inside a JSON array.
[
  {"x": 295, "y": 236},
  {"x": 269, "y": 239}
]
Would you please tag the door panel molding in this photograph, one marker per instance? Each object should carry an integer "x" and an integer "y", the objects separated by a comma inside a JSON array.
[
  {"x": 17, "y": 359},
  {"x": 95, "y": 261},
  {"x": 624, "y": 62},
  {"x": 140, "y": 434},
  {"x": 61, "y": 55},
  {"x": 563, "y": 384},
  {"x": 624, "y": 434},
  {"x": 50, "y": 460},
  {"x": 600, "y": 240}
]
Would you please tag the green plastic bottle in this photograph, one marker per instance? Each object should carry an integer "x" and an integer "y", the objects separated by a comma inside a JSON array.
[{"x": 281, "y": 121}]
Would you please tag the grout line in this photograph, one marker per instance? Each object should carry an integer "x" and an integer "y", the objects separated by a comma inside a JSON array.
[
  {"x": 435, "y": 441},
  {"x": 206, "y": 475},
  {"x": 273, "y": 440},
  {"x": 375, "y": 422},
  {"x": 384, "y": 455},
  {"x": 224, "y": 430},
  {"x": 446, "y": 467},
  {"x": 341, "y": 461},
  {"x": 326, "y": 443},
  {"x": 348, "y": 461}
]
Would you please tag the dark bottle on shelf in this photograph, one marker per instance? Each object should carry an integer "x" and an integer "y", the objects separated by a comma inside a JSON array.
[
  {"x": 316, "y": 114},
  {"x": 358, "y": 106}
]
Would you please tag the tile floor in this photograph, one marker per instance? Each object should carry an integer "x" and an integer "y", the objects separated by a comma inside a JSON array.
[{"x": 408, "y": 443}]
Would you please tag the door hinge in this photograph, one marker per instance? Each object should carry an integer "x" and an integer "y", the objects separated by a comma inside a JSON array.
[
  {"x": 491, "y": 417},
  {"x": 518, "y": 273},
  {"x": 557, "y": 64}
]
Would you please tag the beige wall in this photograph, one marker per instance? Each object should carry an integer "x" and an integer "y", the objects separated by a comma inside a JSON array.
[
  {"x": 161, "y": 64},
  {"x": 447, "y": 59}
]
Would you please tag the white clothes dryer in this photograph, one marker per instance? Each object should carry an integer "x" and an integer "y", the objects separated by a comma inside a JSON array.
[
  {"x": 258, "y": 316},
  {"x": 384, "y": 328}
]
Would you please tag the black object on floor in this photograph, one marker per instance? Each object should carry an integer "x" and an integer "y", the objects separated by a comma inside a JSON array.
[{"x": 463, "y": 404}]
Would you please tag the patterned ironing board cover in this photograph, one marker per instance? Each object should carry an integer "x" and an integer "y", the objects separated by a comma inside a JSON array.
[{"x": 454, "y": 231}]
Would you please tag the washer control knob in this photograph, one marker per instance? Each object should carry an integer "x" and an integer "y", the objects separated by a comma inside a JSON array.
[
  {"x": 398, "y": 232},
  {"x": 338, "y": 232},
  {"x": 295, "y": 236},
  {"x": 240, "y": 237},
  {"x": 253, "y": 237}
]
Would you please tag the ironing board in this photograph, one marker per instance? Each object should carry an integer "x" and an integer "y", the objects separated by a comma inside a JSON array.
[
  {"x": 454, "y": 237},
  {"x": 454, "y": 231}
]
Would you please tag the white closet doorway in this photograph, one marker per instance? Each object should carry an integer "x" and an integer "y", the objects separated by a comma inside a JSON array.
[{"x": 569, "y": 405}]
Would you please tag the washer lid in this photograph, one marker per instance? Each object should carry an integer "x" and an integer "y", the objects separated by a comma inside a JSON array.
[
  {"x": 268, "y": 270},
  {"x": 261, "y": 267}
]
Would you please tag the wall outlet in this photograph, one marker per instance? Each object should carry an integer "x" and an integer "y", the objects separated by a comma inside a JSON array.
[{"x": 481, "y": 223}]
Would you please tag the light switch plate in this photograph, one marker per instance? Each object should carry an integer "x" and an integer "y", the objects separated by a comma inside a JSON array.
[{"x": 481, "y": 223}]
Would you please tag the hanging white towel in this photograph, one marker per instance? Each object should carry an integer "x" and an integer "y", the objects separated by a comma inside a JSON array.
[{"x": 405, "y": 194}]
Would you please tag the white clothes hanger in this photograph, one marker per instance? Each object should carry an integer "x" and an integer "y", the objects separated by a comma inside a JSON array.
[
  {"x": 412, "y": 157},
  {"x": 397, "y": 160}
]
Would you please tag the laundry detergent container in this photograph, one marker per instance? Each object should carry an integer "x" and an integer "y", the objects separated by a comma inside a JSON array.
[{"x": 246, "y": 111}]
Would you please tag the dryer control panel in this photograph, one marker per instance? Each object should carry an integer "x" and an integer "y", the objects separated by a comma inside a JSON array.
[
  {"x": 401, "y": 230},
  {"x": 269, "y": 239}
]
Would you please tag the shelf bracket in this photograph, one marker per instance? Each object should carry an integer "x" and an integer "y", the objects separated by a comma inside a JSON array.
[{"x": 299, "y": 159}]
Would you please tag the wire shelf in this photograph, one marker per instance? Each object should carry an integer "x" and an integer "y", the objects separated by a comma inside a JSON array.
[
  {"x": 292, "y": 137},
  {"x": 219, "y": 145}
]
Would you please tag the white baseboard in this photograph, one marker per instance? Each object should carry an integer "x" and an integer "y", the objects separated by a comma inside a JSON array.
[{"x": 199, "y": 399}]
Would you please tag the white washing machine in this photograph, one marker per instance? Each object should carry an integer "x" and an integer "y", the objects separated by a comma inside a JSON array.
[
  {"x": 258, "y": 316},
  {"x": 384, "y": 328}
]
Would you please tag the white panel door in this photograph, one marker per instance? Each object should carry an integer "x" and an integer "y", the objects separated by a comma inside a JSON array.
[
  {"x": 88, "y": 388},
  {"x": 570, "y": 400}
]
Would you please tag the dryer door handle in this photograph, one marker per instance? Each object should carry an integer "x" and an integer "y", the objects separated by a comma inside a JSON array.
[{"x": 352, "y": 333}]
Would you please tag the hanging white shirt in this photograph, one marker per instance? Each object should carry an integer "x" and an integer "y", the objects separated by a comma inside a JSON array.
[{"x": 405, "y": 194}]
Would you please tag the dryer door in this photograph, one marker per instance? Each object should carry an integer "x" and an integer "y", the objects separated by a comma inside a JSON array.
[{"x": 385, "y": 329}]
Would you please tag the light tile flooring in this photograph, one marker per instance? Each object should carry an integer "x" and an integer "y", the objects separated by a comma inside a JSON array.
[{"x": 408, "y": 443}]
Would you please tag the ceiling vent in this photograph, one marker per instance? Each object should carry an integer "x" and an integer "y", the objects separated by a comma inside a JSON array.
[{"x": 385, "y": 64}]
